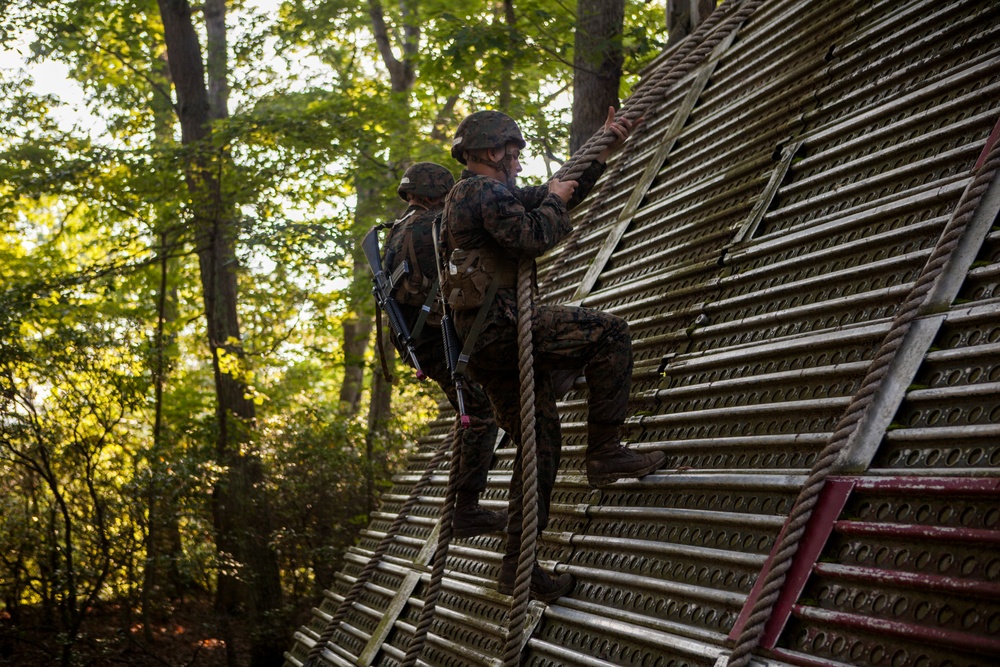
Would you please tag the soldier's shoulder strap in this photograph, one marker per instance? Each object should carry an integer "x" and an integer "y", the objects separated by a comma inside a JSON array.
[{"x": 491, "y": 293}]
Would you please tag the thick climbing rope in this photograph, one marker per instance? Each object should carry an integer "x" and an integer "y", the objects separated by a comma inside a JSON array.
[
  {"x": 802, "y": 509},
  {"x": 529, "y": 468},
  {"x": 650, "y": 83},
  {"x": 419, "y": 638},
  {"x": 383, "y": 546}
]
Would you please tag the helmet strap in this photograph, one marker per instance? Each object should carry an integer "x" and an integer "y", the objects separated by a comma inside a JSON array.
[
  {"x": 503, "y": 165},
  {"x": 472, "y": 157}
]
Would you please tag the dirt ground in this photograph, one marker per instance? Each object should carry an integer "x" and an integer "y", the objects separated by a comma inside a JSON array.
[{"x": 190, "y": 635}]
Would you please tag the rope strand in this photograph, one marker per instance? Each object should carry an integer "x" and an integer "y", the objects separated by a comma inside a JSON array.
[
  {"x": 663, "y": 80},
  {"x": 529, "y": 468}
]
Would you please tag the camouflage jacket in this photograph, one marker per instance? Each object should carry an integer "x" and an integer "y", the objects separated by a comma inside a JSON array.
[
  {"x": 417, "y": 221},
  {"x": 523, "y": 222}
]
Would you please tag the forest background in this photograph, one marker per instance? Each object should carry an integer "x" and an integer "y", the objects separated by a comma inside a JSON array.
[{"x": 193, "y": 425}]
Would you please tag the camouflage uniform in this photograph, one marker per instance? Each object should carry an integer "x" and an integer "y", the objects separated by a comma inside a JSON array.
[
  {"x": 525, "y": 222},
  {"x": 496, "y": 224},
  {"x": 478, "y": 440}
]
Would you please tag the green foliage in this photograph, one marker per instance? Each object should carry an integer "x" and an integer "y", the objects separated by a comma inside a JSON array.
[{"x": 100, "y": 299}]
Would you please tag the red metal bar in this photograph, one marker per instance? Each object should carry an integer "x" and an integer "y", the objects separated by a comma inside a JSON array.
[
  {"x": 989, "y": 486},
  {"x": 962, "y": 641},
  {"x": 912, "y": 531},
  {"x": 928, "y": 582},
  {"x": 992, "y": 139},
  {"x": 828, "y": 507}
]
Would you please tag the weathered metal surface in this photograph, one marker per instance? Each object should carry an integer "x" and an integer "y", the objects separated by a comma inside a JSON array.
[{"x": 755, "y": 312}]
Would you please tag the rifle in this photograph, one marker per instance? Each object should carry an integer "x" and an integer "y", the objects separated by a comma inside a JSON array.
[
  {"x": 382, "y": 288},
  {"x": 452, "y": 345}
]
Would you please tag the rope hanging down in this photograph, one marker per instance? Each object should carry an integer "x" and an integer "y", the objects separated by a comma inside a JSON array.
[
  {"x": 774, "y": 581},
  {"x": 383, "y": 546},
  {"x": 650, "y": 83},
  {"x": 529, "y": 468}
]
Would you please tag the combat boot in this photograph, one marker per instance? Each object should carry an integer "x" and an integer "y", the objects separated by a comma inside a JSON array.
[
  {"x": 608, "y": 460},
  {"x": 543, "y": 587},
  {"x": 470, "y": 519}
]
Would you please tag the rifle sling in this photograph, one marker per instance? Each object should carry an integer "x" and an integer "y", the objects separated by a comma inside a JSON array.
[
  {"x": 477, "y": 325},
  {"x": 381, "y": 349},
  {"x": 425, "y": 311}
]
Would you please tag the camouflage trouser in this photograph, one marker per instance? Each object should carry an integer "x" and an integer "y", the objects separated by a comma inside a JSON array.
[
  {"x": 476, "y": 454},
  {"x": 564, "y": 338}
]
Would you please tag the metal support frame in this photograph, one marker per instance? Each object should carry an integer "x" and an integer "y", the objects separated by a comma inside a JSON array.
[
  {"x": 864, "y": 442},
  {"x": 400, "y": 600},
  {"x": 652, "y": 169},
  {"x": 749, "y": 228}
]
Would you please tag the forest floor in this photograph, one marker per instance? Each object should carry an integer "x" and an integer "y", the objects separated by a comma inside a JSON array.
[{"x": 189, "y": 636}]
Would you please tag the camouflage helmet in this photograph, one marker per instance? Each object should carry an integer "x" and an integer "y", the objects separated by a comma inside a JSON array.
[
  {"x": 425, "y": 179},
  {"x": 485, "y": 129}
]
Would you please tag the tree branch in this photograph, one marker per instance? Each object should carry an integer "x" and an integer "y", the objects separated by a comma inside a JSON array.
[
  {"x": 439, "y": 120},
  {"x": 381, "y": 33}
]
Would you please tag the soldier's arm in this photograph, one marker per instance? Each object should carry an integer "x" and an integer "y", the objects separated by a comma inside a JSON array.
[
  {"x": 532, "y": 196},
  {"x": 522, "y": 231},
  {"x": 586, "y": 183}
]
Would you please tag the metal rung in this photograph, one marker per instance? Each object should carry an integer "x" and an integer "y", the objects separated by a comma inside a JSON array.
[
  {"x": 962, "y": 641},
  {"x": 944, "y": 190},
  {"x": 912, "y": 580},
  {"x": 637, "y": 634},
  {"x": 975, "y": 536}
]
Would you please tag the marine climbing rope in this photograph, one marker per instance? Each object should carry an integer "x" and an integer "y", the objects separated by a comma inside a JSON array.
[{"x": 690, "y": 54}]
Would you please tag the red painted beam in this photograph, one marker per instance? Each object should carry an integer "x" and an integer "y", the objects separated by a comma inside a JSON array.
[
  {"x": 912, "y": 531},
  {"x": 963, "y": 641},
  {"x": 969, "y": 486},
  {"x": 828, "y": 507},
  {"x": 928, "y": 582}
]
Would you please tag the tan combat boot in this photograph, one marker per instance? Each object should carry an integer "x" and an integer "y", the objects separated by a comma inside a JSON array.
[{"x": 608, "y": 460}]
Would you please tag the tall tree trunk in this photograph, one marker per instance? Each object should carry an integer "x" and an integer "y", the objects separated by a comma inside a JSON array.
[
  {"x": 242, "y": 519},
  {"x": 597, "y": 66},
  {"x": 360, "y": 317},
  {"x": 684, "y": 16},
  {"x": 507, "y": 78},
  {"x": 370, "y": 208}
]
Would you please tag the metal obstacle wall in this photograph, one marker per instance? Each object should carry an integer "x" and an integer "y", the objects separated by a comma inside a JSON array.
[{"x": 759, "y": 234}]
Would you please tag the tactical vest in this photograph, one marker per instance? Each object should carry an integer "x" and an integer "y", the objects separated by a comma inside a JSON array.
[
  {"x": 413, "y": 288},
  {"x": 468, "y": 273}
]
